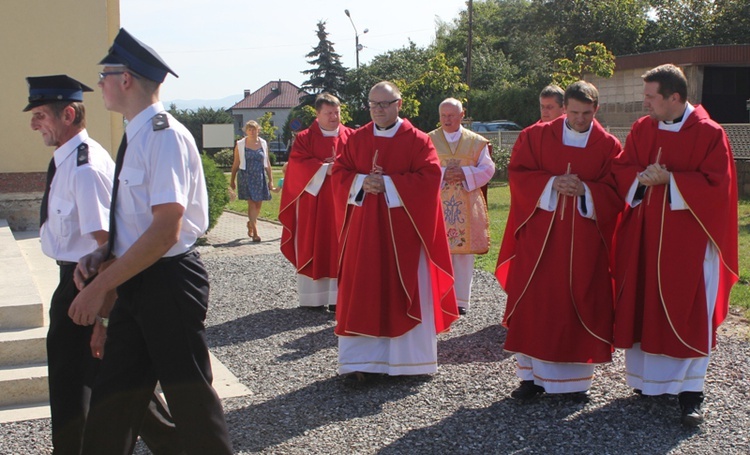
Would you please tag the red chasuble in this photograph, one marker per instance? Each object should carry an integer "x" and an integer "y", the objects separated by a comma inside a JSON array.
[
  {"x": 380, "y": 246},
  {"x": 660, "y": 292},
  {"x": 309, "y": 239},
  {"x": 554, "y": 266}
]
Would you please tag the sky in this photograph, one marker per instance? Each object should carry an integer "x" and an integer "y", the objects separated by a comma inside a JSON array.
[{"x": 219, "y": 48}]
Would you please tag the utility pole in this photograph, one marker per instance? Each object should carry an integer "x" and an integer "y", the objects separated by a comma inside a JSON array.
[{"x": 468, "y": 56}]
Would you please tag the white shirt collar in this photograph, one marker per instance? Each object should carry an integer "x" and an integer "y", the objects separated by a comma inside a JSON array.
[
  {"x": 674, "y": 127},
  {"x": 454, "y": 136},
  {"x": 573, "y": 138},
  {"x": 390, "y": 132},
  {"x": 62, "y": 152},
  {"x": 142, "y": 118},
  {"x": 329, "y": 133}
]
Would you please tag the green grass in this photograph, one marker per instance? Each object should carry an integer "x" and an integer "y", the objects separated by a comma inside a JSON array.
[
  {"x": 270, "y": 209},
  {"x": 740, "y": 297},
  {"x": 499, "y": 204}
]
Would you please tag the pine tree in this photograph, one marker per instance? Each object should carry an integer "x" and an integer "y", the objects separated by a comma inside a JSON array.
[{"x": 329, "y": 74}]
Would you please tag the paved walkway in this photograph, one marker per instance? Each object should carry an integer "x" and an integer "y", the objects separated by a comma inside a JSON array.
[{"x": 229, "y": 237}]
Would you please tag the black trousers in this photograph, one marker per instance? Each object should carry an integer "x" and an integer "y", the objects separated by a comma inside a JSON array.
[
  {"x": 72, "y": 370},
  {"x": 156, "y": 332}
]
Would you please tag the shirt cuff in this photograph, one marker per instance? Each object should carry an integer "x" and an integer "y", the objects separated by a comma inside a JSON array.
[
  {"x": 677, "y": 202},
  {"x": 391, "y": 193},
  {"x": 317, "y": 181},
  {"x": 548, "y": 199},
  {"x": 354, "y": 194}
]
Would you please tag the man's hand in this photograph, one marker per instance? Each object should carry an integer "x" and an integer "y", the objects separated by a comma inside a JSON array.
[
  {"x": 98, "y": 337},
  {"x": 568, "y": 185},
  {"x": 453, "y": 174},
  {"x": 89, "y": 266},
  {"x": 87, "y": 304},
  {"x": 654, "y": 174},
  {"x": 374, "y": 184}
]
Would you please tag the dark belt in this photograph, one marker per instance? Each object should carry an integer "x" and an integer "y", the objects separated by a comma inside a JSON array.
[{"x": 66, "y": 263}]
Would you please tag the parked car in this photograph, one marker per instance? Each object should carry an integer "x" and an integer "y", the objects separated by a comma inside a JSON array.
[
  {"x": 495, "y": 125},
  {"x": 279, "y": 149}
]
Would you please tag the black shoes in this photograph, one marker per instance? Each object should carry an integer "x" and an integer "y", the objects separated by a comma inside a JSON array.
[
  {"x": 332, "y": 308},
  {"x": 527, "y": 391},
  {"x": 690, "y": 408},
  {"x": 461, "y": 311}
]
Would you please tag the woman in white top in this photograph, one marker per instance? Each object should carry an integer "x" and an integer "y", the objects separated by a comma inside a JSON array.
[{"x": 255, "y": 185}]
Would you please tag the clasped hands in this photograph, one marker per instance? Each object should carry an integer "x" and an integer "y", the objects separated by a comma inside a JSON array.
[
  {"x": 374, "y": 183},
  {"x": 453, "y": 174},
  {"x": 568, "y": 185},
  {"x": 654, "y": 174}
]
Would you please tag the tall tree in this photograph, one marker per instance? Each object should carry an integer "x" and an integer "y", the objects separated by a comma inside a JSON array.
[
  {"x": 399, "y": 66},
  {"x": 680, "y": 23},
  {"x": 328, "y": 74},
  {"x": 591, "y": 58}
]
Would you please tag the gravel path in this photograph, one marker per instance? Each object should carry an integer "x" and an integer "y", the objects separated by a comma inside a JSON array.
[{"x": 287, "y": 357}]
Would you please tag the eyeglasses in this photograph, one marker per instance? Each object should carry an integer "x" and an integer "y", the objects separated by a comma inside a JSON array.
[
  {"x": 104, "y": 74},
  {"x": 381, "y": 104}
]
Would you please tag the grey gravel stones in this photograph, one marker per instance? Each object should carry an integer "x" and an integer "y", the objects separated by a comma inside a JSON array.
[{"x": 287, "y": 357}]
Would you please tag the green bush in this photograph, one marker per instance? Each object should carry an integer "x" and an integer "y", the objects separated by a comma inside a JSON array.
[
  {"x": 272, "y": 158},
  {"x": 501, "y": 157},
  {"x": 218, "y": 193},
  {"x": 224, "y": 158}
]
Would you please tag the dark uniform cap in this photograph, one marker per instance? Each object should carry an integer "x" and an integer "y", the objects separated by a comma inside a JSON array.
[
  {"x": 136, "y": 56},
  {"x": 50, "y": 89}
]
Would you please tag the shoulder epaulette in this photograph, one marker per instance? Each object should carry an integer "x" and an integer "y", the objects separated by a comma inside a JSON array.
[
  {"x": 83, "y": 154},
  {"x": 160, "y": 122}
]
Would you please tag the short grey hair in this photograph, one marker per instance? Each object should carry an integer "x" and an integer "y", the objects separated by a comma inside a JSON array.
[{"x": 452, "y": 102}]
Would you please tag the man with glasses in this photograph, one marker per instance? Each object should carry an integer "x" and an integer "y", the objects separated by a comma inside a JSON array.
[
  {"x": 75, "y": 220},
  {"x": 467, "y": 166},
  {"x": 395, "y": 275},
  {"x": 551, "y": 103},
  {"x": 156, "y": 330}
]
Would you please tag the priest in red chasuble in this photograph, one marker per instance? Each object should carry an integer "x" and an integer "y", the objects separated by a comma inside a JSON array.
[
  {"x": 676, "y": 245},
  {"x": 395, "y": 275},
  {"x": 467, "y": 166},
  {"x": 554, "y": 258},
  {"x": 309, "y": 239}
]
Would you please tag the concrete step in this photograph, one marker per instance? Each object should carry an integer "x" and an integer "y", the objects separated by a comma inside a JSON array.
[
  {"x": 23, "y": 347},
  {"x": 20, "y": 303},
  {"x": 23, "y": 386}
]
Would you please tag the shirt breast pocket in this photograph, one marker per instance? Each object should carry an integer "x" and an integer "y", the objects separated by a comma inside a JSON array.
[
  {"x": 62, "y": 217},
  {"x": 132, "y": 195}
]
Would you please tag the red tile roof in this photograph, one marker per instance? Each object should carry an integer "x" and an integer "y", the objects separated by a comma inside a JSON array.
[{"x": 275, "y": 94}]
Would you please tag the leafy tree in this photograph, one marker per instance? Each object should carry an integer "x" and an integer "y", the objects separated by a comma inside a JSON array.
[
  {"x": 732, "y": 23},
  {"x": 618, "y": 24},
  {"x": 329, "y": 74},
  {"x": 267, "y": 130},
  {"x": 680, "y": 23},
  {"x": 195, "y": 119},
  {"x": 592, "y": 58},
  {"x": 399, "y": 66},
  {"x": 436, "y": 83}
]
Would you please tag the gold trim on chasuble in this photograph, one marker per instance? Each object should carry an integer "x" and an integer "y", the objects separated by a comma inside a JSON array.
[{"x": 465, "y": 212}]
